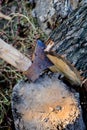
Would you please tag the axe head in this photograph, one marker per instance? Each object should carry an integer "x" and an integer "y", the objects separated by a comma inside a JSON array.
[{"x": 40, "y": 62}]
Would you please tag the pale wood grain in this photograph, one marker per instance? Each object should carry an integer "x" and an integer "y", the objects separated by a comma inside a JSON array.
[
  {"x": 5, "y": 16},
  {"x": 13, "y": 56}
]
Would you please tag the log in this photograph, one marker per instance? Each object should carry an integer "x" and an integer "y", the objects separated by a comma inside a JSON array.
[
  {"x": 50, "y": 12},
  {"x": 14, "y": 57},
  {"x": 46, "y": 104},
  {"x": 71, "y": 39}
]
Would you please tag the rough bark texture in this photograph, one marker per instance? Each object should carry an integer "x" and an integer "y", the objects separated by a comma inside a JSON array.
[
  {"x": 50, "y": 12},
  {"x": 71, "y": 36},
  {"x": 46, "y": 104},
  {"x": 71, "y": 39}
]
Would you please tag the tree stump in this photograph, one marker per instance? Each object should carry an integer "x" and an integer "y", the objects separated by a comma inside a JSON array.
[{"x": 47, "y": 104}]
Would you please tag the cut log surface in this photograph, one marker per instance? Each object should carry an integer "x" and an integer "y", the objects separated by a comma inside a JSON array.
[{"x": 46, "y": 104}]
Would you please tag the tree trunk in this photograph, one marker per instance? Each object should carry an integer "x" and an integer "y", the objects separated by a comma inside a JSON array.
[{"x": 71, "y": 39}]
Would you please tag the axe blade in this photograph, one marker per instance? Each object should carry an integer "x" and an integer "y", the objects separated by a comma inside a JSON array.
[{"x": 40, "y": 63}]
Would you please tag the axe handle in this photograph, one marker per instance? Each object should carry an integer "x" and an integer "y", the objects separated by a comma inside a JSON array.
[
  {"x": 14, "y": 57},
  {"x": 4, "y": 16}
]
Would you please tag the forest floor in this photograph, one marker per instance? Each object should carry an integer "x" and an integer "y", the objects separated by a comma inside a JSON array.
[{"x": 19, "y": 31}]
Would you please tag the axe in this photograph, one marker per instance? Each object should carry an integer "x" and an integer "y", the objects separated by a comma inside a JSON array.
[{"x": 43, "y": 59}]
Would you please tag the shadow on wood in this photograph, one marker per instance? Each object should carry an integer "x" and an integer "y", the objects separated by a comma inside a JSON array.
[{"x": 46, "y": 104}]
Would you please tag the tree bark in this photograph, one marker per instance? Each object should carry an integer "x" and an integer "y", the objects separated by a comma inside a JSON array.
[{"x": 71, "y": 39}]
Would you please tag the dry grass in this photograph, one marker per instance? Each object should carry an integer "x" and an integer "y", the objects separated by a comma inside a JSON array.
[{"x": 20, "y": 31}]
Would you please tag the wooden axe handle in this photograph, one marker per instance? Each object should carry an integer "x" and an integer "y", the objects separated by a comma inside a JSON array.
[{"x": 14, "y": 57}]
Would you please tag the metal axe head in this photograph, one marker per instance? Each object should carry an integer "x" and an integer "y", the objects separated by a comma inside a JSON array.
[{"x": 40, "y": 62}]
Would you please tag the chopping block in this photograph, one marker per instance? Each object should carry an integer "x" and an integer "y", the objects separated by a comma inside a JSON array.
[{"x": 46, "y": 104}]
